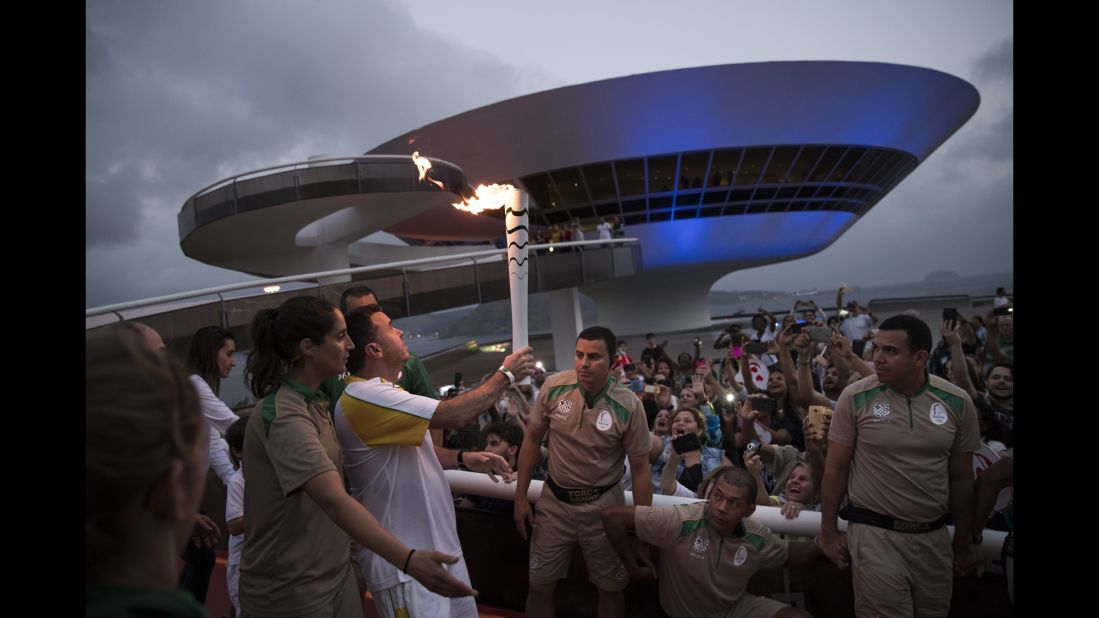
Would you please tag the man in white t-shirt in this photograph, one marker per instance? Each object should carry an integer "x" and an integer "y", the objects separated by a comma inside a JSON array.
[
  {"x": 393, "y": 467},
  {"x": 857, "y": 324},
  {"x": 858, "y": 320}
]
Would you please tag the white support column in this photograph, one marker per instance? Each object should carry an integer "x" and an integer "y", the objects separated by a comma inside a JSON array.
[
  {"x": 665, "y": 300},
  {"x": 567, "y": 323}
]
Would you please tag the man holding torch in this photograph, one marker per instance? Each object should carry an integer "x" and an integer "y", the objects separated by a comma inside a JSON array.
[{"x": 395, "y": 470}]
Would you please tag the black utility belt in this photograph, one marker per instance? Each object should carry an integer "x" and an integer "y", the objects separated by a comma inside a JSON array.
[
  {"x": 579, "y": 495},
  {"x": 871, "y": 518}
]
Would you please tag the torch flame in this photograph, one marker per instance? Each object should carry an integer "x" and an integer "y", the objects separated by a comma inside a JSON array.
[
  {"x": 486, "y": 197},
  {"x": 423, "y": 165}
]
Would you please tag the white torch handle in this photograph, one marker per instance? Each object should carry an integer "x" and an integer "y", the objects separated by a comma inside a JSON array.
[{"x": 516, "y": 220}]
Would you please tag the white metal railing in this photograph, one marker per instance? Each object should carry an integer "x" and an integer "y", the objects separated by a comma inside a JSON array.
[
  {"x": 806, "y": 524},
  {"x": 442, "y": 259},
  {"x": 307, "y": 164}
]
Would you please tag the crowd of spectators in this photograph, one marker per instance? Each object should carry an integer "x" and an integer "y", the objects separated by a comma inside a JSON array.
[{"x": 348, "y": 439}]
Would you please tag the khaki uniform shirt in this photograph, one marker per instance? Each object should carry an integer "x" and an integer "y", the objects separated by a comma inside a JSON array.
[
  {"x": 294, "y": 557},
  {"x": 702, "y": 572},
  {"x": 902, "y": 445},
  {"x": 588, "y": 445}
]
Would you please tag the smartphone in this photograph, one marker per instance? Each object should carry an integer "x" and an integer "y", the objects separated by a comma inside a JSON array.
[
  {"x": 686, "y": 443},
  {"x": 763, "y": 404},
  {"x": 1001, "y": 311},
  {"x": 628, "y": 367},
  {"x": 796, "y": 327},
  {"x": 457, "y": 378},
  {"x": 652, "y": 388},
  {"x": 752, "y": 448},
  {"x": 817, "y": 414},
  {"x": 950, "y": 315},
  {"x": 820, "y": 334},
  {"x": 700, "y": 362},
  {"x": 755, "y": 347}
]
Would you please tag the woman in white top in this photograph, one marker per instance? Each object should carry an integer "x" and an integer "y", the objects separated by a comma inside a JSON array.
[
  {"x": 763, "y": 326},
  {"x": 209, "y": 361}
]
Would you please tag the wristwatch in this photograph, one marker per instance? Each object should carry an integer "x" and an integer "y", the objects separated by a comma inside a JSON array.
[{"x": 461, "y": 465}]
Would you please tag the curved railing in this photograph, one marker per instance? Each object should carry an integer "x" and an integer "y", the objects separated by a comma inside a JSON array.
[{"x": 318, "y": 177}]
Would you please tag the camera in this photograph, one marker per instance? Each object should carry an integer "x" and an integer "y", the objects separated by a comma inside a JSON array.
[
  {"x": 763, "y": 404},
  {"x": 755, "y": 347},
  {"x": 820, "y": 334},
  {"x": 686, "y": 443},
  {"x": 752, "y": 448}
]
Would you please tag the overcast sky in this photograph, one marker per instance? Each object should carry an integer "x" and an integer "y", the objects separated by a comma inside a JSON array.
[{"x": 181, "y": 94}]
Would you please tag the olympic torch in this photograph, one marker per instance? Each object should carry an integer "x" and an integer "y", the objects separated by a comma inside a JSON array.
[
  {"x": 516, "y": 219},
  {"x": 515, "y": 223}
]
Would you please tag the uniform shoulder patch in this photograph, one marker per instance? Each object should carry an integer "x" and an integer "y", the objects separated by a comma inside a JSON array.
[{"x": 861, "y": 399}]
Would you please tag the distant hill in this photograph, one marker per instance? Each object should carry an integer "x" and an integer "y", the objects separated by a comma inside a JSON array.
[{"x": 942, "y": 275}]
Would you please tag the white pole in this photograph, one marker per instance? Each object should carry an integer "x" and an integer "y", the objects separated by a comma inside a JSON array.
[
  {"x": 806, "y": 524},
  {"x": 516, "y": 219}
]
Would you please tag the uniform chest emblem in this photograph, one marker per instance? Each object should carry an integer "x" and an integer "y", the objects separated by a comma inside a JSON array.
[
  {"x": 604, "y": 421},
  {"x": 562, "y": 409},
  {"x": 938, "y": 413},
  {"x": 741, "y": 556},
  {"x": 881, "y": 409},
  {"x": 701, "y": 545}
]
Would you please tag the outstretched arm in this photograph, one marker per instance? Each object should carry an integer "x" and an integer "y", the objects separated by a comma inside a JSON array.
[
  {"x": 617, "y": 522},
  {"x": 958, "y": 364},
  {"x": 457, "y": 411},
  {"x": 328, "y": 492},
  {"x": 804, "y": 394}
]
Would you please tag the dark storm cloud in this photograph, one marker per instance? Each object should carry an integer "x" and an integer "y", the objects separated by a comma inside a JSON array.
[
  {"x": 989, "y": 136},
  {"x": 179, "y": 96},
  {"x": 998, "y": 63}
]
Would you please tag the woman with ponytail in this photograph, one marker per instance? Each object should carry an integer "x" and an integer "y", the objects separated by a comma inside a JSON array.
[{"x": 295, "y": 560}]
